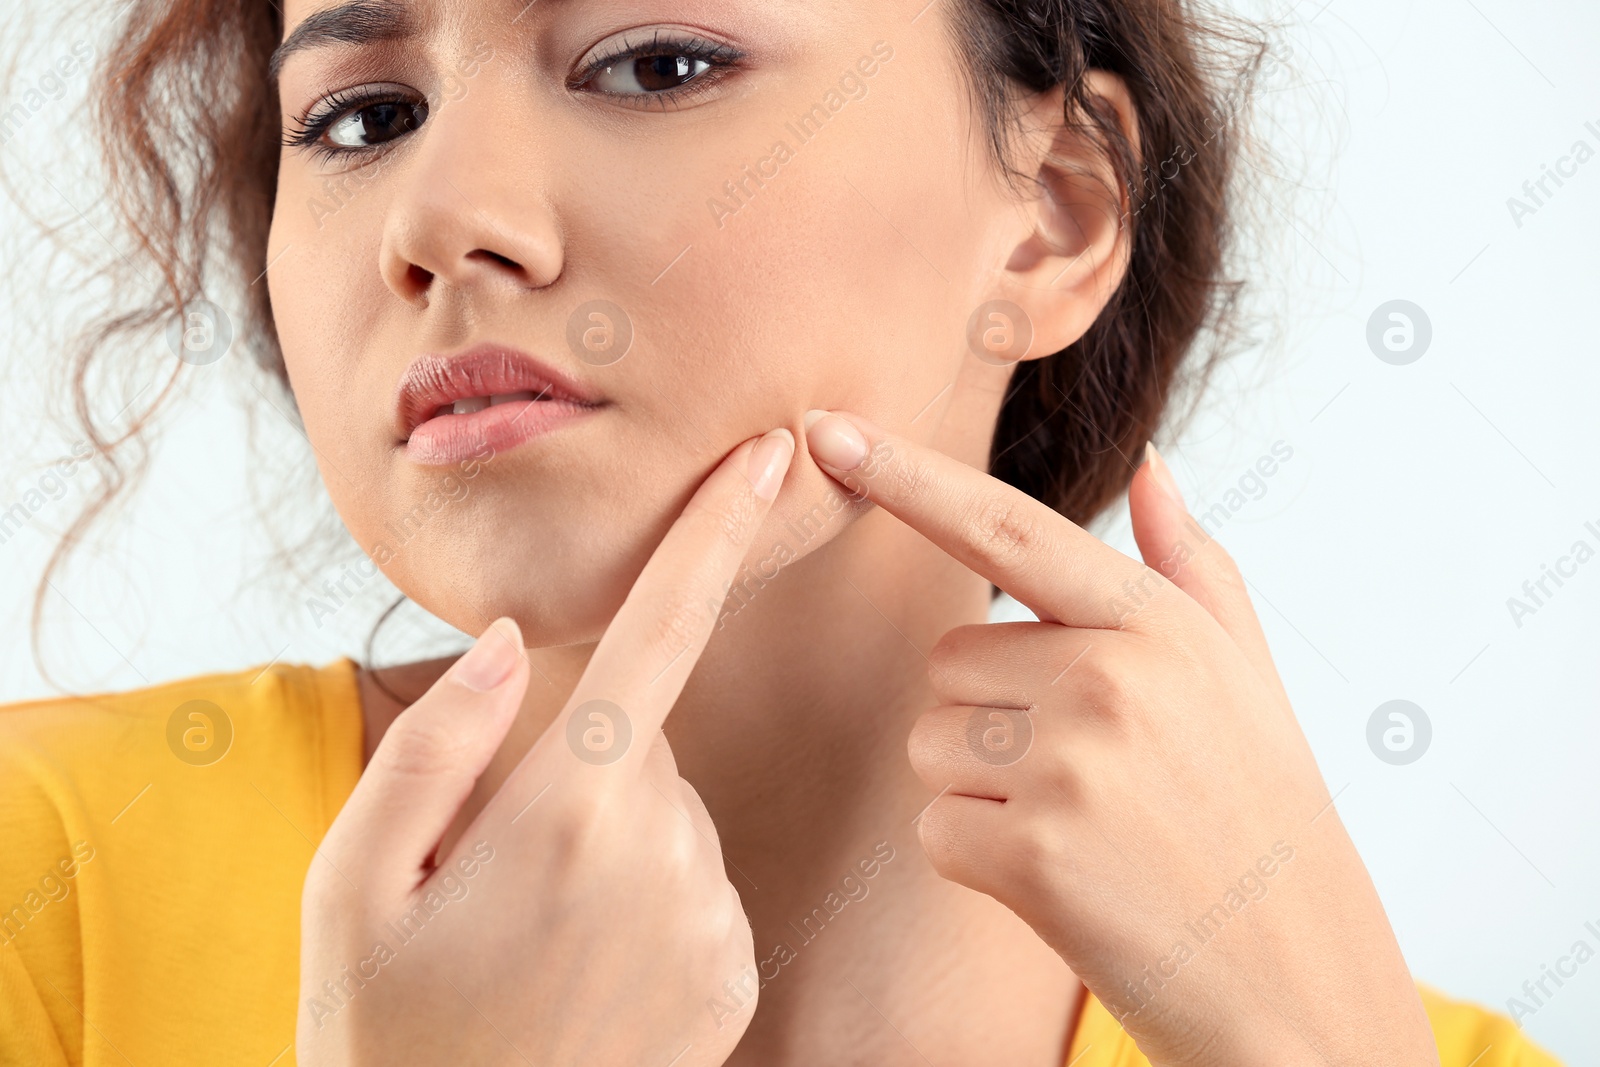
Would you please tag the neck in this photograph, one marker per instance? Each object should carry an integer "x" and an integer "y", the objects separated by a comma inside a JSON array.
[{"x": 793, "y": 730}]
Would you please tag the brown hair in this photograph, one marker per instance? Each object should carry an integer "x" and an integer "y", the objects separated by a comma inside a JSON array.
[{"x": 188, "y": 125}]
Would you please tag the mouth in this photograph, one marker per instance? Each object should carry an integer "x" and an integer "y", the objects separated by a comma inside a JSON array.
[{"x": 488, "y": 397}]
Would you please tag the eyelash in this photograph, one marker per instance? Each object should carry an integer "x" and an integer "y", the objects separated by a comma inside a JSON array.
[
  {"x": 721, "y": 57},
  {"x": 306, "y": 131}
]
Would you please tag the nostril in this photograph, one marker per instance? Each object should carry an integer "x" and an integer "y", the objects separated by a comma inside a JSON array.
[
  {"x": 496, "y": 257},
  {"x": 418, "y": 279}
]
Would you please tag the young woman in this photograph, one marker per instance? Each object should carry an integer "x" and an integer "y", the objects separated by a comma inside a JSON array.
[{"x": 712, "y": 359}]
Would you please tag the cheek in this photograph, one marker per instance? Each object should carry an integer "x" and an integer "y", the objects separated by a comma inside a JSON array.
[
  {"x": 831, "y": 285},
  {"x": 332, "y": 311},
  {"x": 323, "y": 279}
]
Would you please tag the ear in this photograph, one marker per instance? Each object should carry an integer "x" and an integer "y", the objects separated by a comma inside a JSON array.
[{"x": 1068, "y": 241}]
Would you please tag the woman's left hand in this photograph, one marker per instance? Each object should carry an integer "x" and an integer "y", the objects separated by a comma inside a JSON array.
[{"x": 1127, "y": 776}]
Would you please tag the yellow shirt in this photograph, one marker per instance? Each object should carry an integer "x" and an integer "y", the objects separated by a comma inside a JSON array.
[{"x": 153, "y": 854}]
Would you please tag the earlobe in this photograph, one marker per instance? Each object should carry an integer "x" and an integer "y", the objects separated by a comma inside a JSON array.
[{"x": 1072, "y": 239}]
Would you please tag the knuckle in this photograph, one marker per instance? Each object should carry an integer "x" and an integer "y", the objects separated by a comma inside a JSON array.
[
  {"x": 564, "y": 836},
  {"x": 955, "y": 855},
  {"x": 677, "y": 851},
  {"x": 1034, "y": 849},
  {"x": 1006, "y": 529},
  {"x": 962, "y": 660},
  {"x": 941, "y": 672},
  {"x": 722, "y": 922},
  {"x": 1108, "y": 691},
  {"x": 418, "y": 748},
  {"x": 577, "y": 825},
  {"x": 700, "y": 819},
  {"x": 1071, "y": 791},
  {"x": 948, "y": 650},
  {"x": 681, "y": 854},
  {"x": 685, "y": 861}
]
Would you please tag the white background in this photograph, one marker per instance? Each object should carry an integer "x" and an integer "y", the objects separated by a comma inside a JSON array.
[{"x": 1381, "y": 555}]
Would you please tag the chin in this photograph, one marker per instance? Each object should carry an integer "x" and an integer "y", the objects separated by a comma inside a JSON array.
[
  {"x": 562, "y": 586},
  {"x": 551, "y": 610}
]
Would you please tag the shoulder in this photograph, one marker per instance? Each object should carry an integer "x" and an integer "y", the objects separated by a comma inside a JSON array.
[
  {"x": 77, "y": 767},
  {"x": 192, "y": 721},
  {"x": 264, "y": 686},
  {"x": 1467, "y": 1036}
]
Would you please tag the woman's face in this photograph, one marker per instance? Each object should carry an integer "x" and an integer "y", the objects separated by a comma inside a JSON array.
[{"x": 786, "y": 204}]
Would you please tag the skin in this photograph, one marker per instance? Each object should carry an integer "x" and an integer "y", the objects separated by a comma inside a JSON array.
[
  {"x": 837, "y": 288},
  {"x": 631, "y": 915}
]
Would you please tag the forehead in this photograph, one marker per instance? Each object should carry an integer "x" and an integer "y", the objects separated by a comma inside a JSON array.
[{"x": 420, "y": 14}]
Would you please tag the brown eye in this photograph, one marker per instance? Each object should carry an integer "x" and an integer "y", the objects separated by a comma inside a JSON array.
[
  {"x": 649, "y": 74},
  {"x": 665, "y": 67},
  {"x": 375, "y": 123}
]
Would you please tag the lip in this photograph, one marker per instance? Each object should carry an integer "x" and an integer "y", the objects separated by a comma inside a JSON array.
[{"x": 487, "y": 369}]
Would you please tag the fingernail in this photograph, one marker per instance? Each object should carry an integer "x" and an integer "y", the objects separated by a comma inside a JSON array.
[
  {"x": 769, "y": 459},
  {"x": 1163, "y": 474},
  {"x": 489, "y": 663},
  {"x": 834, "y": 441}
]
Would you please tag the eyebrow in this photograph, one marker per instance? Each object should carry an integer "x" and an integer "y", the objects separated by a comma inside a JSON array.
[{"x": 357, "y": 22}]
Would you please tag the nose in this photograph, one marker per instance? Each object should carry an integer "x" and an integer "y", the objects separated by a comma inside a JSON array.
[{"x": 468, "y": 211}]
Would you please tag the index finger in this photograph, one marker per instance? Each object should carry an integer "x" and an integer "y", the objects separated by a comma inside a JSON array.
[
  {"x": 1050, "y": 564},
  {"x": 644, "y": 658}
]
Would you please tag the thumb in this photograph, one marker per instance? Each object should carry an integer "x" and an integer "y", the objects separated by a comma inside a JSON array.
[
  {"x": 1172, "y": 542},
  {"x": 426, "y": 765}
]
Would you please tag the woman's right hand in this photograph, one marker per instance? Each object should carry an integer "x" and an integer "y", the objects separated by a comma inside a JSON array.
[{"x": 584, "y": 917}]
